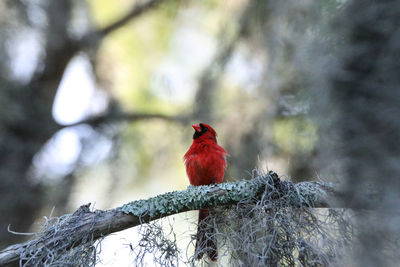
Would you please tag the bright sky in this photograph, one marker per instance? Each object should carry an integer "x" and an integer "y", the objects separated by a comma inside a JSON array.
[{"x": 75, "y": 92}]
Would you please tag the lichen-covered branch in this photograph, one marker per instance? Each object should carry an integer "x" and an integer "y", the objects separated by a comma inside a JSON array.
[{"x": 72, "y": 231}]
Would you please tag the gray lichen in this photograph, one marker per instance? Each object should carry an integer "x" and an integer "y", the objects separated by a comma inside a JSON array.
[{"x": 195, "y": 197}]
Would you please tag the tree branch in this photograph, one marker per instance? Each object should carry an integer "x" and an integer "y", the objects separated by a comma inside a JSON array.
[
  {"x": 73, "y": 230},
  {"x": 136, "y": 11},
  {"x": 132, "y": 116}
]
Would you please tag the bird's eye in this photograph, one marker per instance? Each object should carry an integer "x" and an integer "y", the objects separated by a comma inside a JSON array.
[{"x": 203, "y": 128}]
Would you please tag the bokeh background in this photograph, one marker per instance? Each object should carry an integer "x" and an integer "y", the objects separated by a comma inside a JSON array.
[{"x": 97, "y": 98}]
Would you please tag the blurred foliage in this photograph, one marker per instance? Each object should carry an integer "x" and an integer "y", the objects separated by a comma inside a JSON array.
[
  {"x": 245, "y": 53},
  {"x": 295, "y": 135},
  {"x": 129, "y": 56}
]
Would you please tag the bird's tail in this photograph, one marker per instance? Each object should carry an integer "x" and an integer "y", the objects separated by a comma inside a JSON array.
[{"x": 206, "y": 240}]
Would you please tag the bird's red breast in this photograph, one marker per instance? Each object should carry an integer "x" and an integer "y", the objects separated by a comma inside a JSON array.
[{"x": 205, "y": 160}]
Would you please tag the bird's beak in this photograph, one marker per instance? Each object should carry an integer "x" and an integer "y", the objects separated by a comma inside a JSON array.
[{"x": 196, "y": 127}]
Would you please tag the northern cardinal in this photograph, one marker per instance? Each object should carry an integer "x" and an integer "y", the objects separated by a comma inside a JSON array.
[{"x": 205, "y": 164}]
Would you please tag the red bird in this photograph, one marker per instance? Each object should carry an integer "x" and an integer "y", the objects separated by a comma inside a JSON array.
[{"x": 205, "y": 164}]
